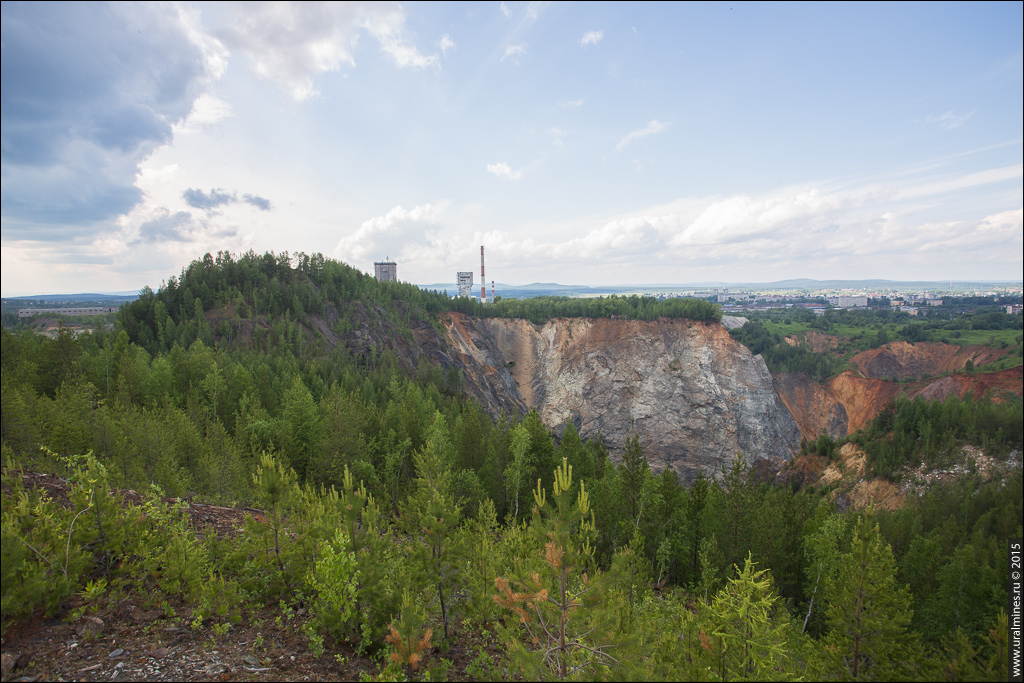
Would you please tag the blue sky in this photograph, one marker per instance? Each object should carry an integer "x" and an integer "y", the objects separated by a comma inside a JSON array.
[{"x": 587, "y": 143}]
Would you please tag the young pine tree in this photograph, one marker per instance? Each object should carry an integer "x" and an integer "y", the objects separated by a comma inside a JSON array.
[
  {"x": 547, "y": 601},
  {"x": 431, "y": 512},
  {"x": 867, "y": 610},
  {"x": 747, "y": 629}
]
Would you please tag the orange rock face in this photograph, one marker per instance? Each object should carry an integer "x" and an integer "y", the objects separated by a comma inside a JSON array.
[
  {"x": 848, "y": 402},
  {"x": 903, "y": 360}
]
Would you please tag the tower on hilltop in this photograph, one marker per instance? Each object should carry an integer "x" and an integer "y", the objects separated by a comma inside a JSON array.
[{"x": 385, "y": 271}]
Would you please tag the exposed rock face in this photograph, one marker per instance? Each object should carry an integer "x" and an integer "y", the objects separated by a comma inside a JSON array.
[
  {"x": 734, "y": 322},
  {"x": 693, "y": 395},
  {"x": 848, "y": 402},
  {"x": 813, "y": 407},
  {"x": 903, "y": 360}
]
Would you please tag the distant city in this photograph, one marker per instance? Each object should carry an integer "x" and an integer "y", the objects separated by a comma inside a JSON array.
[{"x": 911, "y": 297}]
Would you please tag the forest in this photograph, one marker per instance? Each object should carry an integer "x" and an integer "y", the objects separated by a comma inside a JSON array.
[{"x": 402, "y": 521}]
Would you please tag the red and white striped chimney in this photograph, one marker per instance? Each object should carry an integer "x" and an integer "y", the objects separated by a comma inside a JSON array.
[{"x": 483, "y": 282}]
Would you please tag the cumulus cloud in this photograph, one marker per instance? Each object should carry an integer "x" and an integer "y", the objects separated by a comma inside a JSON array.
[
  {"x": 88, "y": 92},
  {"x": 216, "y": 198},
  {"x": 404, "y": 234},
  {"x": 514, "y": 52},
  {"x": 503, "y": 170},
  {"x": 446, "y": 43},
  {"x": 169, "y": 226},
  {"x": 591, "y": 38},
  {"x": 292, "y": 43},
  {"x": 949, "y": 120},
  {"x": 652, "y": 128}
]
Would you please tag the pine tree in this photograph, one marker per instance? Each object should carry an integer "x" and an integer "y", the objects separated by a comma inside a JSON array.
[
  {"x": 547, "y": 602},
  {"x": 868, "y": 611},
  {"x": 821, "y": 548},
  {"x": 301, "y": 426},
  {"x": 635, "y": 473},
  {"x": 747, "y": 632},
  {"x": 431, "y": 512}
]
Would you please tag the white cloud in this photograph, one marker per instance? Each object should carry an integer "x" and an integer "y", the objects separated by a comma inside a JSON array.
[
  {"x": 292, "y": 43},
  {"x": 513, "y": 52},
  {"x": 950, "y": 120},
  {"x": 557, "y": 136},
  {"x": 503, "y": 170},
  {"x": 446, "y": 43},
  {"x": 407, "y": 235},
  {"x": 207, "y": 110},
  {"x": 504, "y": 9},
  {"x": 570, "y": 104},
  {"x": 591, "y": 38},
  {"x": 652, "y": 128}
]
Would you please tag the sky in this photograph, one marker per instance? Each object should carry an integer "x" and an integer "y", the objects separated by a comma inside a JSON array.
[{"x": 601, "y": 144}]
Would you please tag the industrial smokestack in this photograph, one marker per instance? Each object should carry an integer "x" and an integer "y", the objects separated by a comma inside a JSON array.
[{"x": 483, "y": 282}]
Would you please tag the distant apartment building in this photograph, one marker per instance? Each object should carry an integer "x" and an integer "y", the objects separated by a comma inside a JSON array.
[
  {"x": 464, "y": 279},
  {"x": 90, "y": 310},
  {"x": 385, "y": 271},
  {"x": 933, "y": 302},
  {"x": 851, "y": 301},
  {"x": 1013, "y": 309}
]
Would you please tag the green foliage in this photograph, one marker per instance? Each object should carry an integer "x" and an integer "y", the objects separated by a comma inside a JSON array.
[
  {"x": 782, "y": 357},
  {"x": 431, "y": 514},
  {"x": 868, "y": 612},
  {"x": 748, "y": 629},
  {"x": 549, "y": 636},
  {"x": 41, "y": 564},
  {"x": 912, "y": 431},
  {"x": 333, "y": 582},
  {"x": 542, "y": 308}
]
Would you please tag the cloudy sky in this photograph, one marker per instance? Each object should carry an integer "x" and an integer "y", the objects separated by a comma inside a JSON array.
[{"x": 582, "y": 143}]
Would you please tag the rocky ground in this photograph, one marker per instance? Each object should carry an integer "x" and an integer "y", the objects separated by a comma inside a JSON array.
[
  {"x": 127, "y": 643},
  {"x": 124, "y": 640}
]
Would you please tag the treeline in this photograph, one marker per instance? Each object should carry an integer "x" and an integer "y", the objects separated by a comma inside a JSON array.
[
  {"x": 782, "y": 357},
  {"x": 542, "y": 308},
  {"x": 990, "y": 317}
]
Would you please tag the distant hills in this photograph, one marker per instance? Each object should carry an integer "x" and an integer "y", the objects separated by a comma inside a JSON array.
[
  {"x": 557, "y": 289},
  {"x": 84, "y": 296}
]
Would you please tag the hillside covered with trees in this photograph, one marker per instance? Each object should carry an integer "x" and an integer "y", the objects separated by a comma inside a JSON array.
[{"x": 392, "y": 519}]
